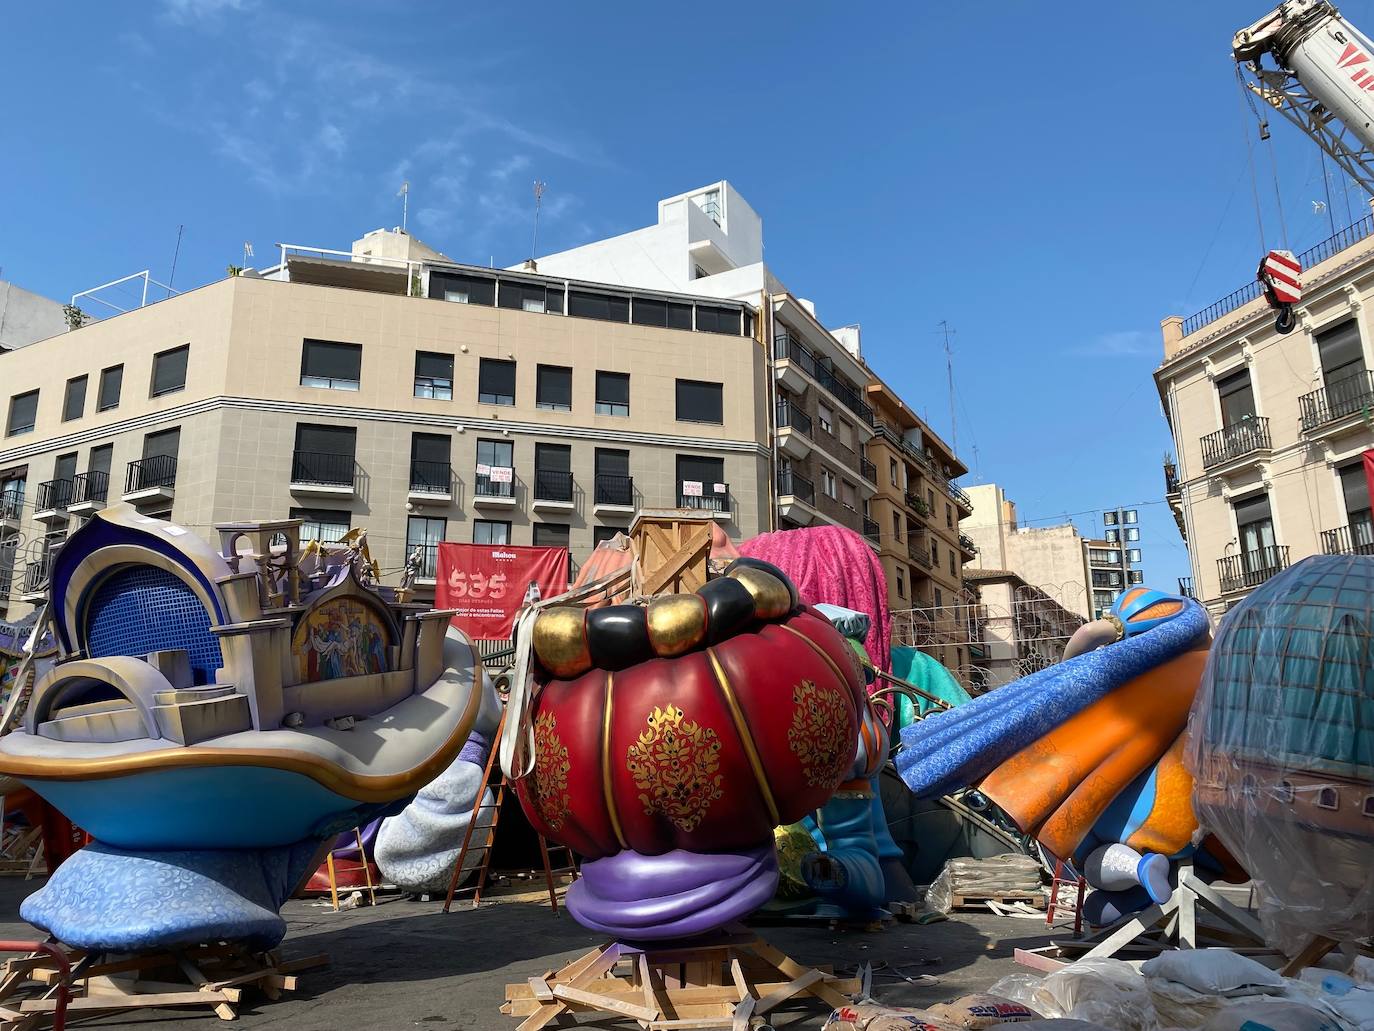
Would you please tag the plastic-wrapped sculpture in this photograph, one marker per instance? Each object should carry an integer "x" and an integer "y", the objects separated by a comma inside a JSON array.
[
  {"x": 215, "y": 718},
  {"x": 1087, "y": 756},
  {"x": 670, "y": 738},
  {"x": 1283, "y": 746}
]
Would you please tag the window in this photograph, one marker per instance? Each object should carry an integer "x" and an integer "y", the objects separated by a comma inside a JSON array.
[
  {"x": 826, "y": 418},
  {"x": 1255, "y": 529},
  {"x": 1328, "y": 797},
  {"x": 330, "y": 365},
  {"x": 930, "y": 500},
  {"x": 101, "y": 459},
  {"x": 1108, "y": 518},
  {"x": 606, "y": 307},
  {"x": 1137, "y": 576},
  {"x": 23, "y": 413},
  {"x": 488, "y": 531},
  {"x": 949, "y": 515},
  {"x": 1113, "y": 537},
  {"x": 158, "y": 466},
  {"x": 425, "y": 533},
  {"x": 1355, "y": 494},
  {"x": 552, "y": 535},
  {"x": 953, "y": 569},
  {"x": 901, "y": 585},
  {"x": 827, "y": 483},
  {"x": 434, "y": 375},
  {"x": 612, "y": 393},
  {"x": 553, "y": 388},
  {"x": 1133, "y": 533},
  {"x": 533, "y": 297},
  {"x": 848, "y": 497},
  {"x": 1342, "y": 356},
  {"x": 603, "y": 533},
  {"x": 939, "y": 598},
  {"x": 1133, "y": 555},
  {"x": 701, "y": 483},
  {"x": 431, "y": 469},
  {"x": 496, "y": 382},
  {"x": 74, "y": 404},
  {"x": 326, "y": 525},
  {"x": 896, "y": 527},
  {"x": 465, "y": 289},
  {"x": 934, "y": 553},
  {"x": 111, "y": 380},
  {"x": 12, "y": 488},
  {"x": 892, "y": 470},
  {"x": 553, "y": 479},
  {"x": 324, "y": 455},
  {"x": 1237, "y": 398},
  {"x": 65, "y": 467},
  {"x": 495, "y": 469},
  {"x": 169, "y": 371},
  {"x": 699, "y": 402},
  {"x": 711, "y": 319},
  {"x": 846, "y": 434},
  {"x": 613, "y": 483},
  {"x": 667, "y": 314}
]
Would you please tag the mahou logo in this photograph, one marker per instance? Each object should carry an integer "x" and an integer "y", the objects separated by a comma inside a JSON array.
[
  {"x": 503, "y": 554},
  {"x": 1354, "y": 57}
]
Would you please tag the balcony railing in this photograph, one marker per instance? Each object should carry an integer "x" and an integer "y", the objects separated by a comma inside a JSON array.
[
  {"x": 613, "y": 489},
  {"x": 431, "y": 477},
  {"x": 429, "y": 560},
  {"x": 919, "y": 550},
  {"x": 91, "y": 487},
  {"x": 795, "y": 485},
  {"x": 1170, "y": 478},
  {"x": 1355, "y": 539},
  {"x": 895, "y": 437},
  {"x": 966, "y": 544},
  {"x": 918, "y": 504},
  {"x": 789, "y": 347},
  {"x": 1185, "y": 586},
  {"x": 147, "y": 473},
  {"x": 8, "y": 550},
  {"x": 1236, "y": 441},
  {"x": 1251, "y": 568},
  {"x": 871, "y": 530},
  {"x": 11, "y": 504},
  {"x": 54, "y": 495},
  {"x": 36, "y": 573},
  {"x": 1351, "y": 234},
  {"x": 868, "y": 470},
  {"x": 494, "y": 483},
  {"x": 550, "y": 485},
  {"x": 960, "y": 498},
  {"x": 1349, "y": 395},
  {"x": 322, "y": 469},
  {"x": 709, "y": 498},
  {"x": 792, "y": 417}
]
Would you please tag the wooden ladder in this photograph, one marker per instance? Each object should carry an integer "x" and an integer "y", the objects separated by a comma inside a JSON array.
[{"x": 480, "y": 806}]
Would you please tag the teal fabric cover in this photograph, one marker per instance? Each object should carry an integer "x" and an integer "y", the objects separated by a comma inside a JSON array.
[{"x": 918, "y": 668}]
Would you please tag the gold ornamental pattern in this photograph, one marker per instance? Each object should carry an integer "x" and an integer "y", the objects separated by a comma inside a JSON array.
[
  {"x": 675, "y": 765},
  {"x": 818, "y": 735},
  {"x": 551, "y": 768}
]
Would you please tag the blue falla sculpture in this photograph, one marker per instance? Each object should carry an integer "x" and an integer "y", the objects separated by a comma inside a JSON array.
[{"x": 216, "y": 717}]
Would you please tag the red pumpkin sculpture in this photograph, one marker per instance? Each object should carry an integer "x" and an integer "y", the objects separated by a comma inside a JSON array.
[{"x": 671, "y": 738}]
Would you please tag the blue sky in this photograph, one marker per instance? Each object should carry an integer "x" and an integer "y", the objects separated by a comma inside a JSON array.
[{"x": 1050, "y": 180}]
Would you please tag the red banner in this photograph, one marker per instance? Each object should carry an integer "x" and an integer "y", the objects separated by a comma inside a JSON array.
[{"x": 487, "y": 583}]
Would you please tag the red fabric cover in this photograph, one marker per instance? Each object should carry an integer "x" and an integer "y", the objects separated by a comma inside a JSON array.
[
  {"x": 834, "y": 566},
  {"x": 565, "y": 797},
  {"x": 1368, "y": 457}
]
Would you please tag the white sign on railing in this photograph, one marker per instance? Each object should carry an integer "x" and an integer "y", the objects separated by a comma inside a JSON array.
[
  {"x": 691, "y": 488},
  {"x": 483, "y": 469},
  {"x": 720, "y": 488},
  {"x": 502, "y": 474}
]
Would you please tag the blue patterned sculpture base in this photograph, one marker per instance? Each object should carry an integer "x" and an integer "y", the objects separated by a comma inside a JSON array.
[{"x": 109, "y": 900}]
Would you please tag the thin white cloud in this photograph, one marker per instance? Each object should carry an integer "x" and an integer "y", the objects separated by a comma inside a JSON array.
[{"x": 196, "y": 12}]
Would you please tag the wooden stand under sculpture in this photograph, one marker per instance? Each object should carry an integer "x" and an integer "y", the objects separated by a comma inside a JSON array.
[{"x": 733, "y": 981}]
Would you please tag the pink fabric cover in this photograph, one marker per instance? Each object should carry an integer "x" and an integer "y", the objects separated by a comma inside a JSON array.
[{"x": 833, "y": 565}]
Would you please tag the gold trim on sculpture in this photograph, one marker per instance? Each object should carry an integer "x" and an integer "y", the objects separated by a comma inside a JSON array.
[
  {"x": 742, "y": 731},
  {"x": 606, "y": 789}
]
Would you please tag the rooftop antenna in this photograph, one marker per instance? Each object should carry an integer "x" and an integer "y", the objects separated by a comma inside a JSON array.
[
  {"x": 949, "y": 372},
  {"x": 404, "y": 194},
  {"x": 538, "y": 201},
  {"x": 176, "y": 252}
]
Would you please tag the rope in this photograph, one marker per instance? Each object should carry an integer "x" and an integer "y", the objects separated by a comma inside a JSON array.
[{"x": 1245, "y": 97}]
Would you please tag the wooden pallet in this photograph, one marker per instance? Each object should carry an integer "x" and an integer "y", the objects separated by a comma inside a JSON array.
[
  {"x": 214, "y": 976},
  {"x": 1035, "y": 899},
  {"x": 732, "y": 981}
]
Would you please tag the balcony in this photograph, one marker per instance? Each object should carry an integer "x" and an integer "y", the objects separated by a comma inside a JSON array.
[
  {"x": 429, "y": 563},
  {"x": 918, "y": 550},
  {"x": 1185, "y": 586},
  {"x": 36, "y": 574},
  {"x": 961, "y": 499},
  {"x": 794, "y": 430},
  {"x": 1236, "y": 447},
  {"x": 613, "y": 494},
  {"x": 709, "y": 497},
  {"x": 871, "y": 531},
  {"x": 323, "y": 473},
  {"x": 430, "y": 481},
  {"x": 90, "y": 490},
  {"x": 787, "y": 348},
  {"x": 917, "y": 505},
  {"x": 53, "y": 499},
  {"x": 1171, "y": 487},
  {"x": 150, "y": 479},
  {"x": 8, "y": 551},
  {"x": 868, "y": 470},
  {"x": 1355, "y": 539},
  {"x": 553, "y": 490},
  {"x": 1338, "y": 406},
  {"x": 494, "y": 487},
  {"x": 967, "y": 546},
  {"x": 1249, "y": 569},
  {"x": 11, "y": 509},
  {"x": 796, "y": 497}
]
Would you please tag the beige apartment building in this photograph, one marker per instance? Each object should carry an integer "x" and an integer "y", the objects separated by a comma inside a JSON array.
[
  {"x": 390, "y": 389},
  {"x": 1269, "y": 429}
]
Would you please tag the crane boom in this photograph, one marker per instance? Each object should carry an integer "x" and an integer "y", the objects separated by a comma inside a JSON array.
[{"x": 1321, "y": 78}]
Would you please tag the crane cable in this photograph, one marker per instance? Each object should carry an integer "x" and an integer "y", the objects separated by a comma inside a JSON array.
[{"x": 1249, "y": 152}]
